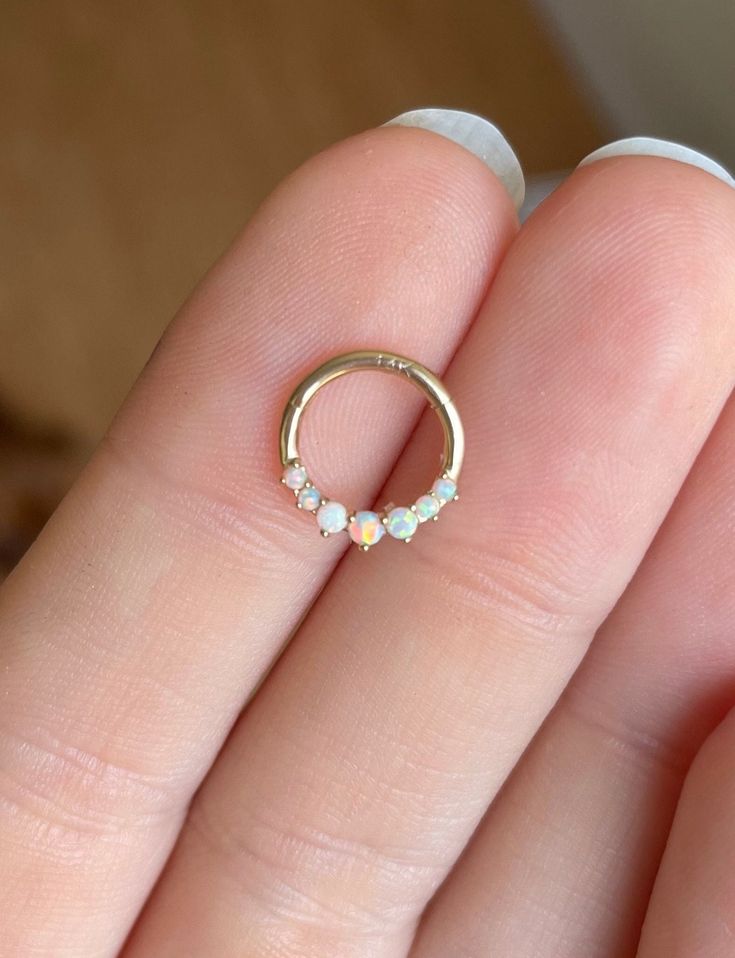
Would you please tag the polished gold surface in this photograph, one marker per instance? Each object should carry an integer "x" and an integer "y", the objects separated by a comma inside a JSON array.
[{"x": 383, "y": 361}]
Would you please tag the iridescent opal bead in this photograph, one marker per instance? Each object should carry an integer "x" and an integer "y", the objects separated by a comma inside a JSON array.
[
  {"x": 427, "y": 507},
  {"x": 309, "y": 499},
  {"x": 402, "y": 523},
  {"x": 331, "y": 517},
  {"x": 445, "y": 489},
  {"x": 366, "y": 528},
  {"x": 295, "y": 477}
]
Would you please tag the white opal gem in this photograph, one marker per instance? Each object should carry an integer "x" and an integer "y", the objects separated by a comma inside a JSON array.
[
  {"x": 427, "y": 507},
  {"x": 402, "y": 523},
  {"x": 366, "y": 528},
  {"x": 445, "y": 489},
  {"x": 331, "y": 517},
  {"x": 295, "y": 477},
  {"x": 309, "y": 499}
]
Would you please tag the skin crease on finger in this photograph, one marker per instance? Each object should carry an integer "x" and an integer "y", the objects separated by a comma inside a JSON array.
[
  {"x": 588, "y": 384},
  {"x": 157, "y": 596}
]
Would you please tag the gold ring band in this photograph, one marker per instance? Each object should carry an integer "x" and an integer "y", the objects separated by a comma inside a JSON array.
[{"x": 366, "y": 527}]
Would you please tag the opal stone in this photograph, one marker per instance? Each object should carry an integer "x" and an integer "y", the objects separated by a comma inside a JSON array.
[
  {"x": 445, "y": 489},
  {"x": 402, "y": 523},
  {"x": 309, "y": 499},
  {"x": 366, "y": 529},
  {"x": 331, "y": 517},
  {"x": 427, "y": 507},
  {"x": 295, "y": 477}
]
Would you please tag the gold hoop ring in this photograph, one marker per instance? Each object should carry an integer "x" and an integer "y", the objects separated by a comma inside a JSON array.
[{"x": 365, "y": 527}]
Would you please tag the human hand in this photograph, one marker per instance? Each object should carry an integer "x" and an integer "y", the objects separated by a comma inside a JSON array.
[{"x": 441, "y": 715}]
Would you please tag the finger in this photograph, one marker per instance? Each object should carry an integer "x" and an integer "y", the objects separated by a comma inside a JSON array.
[
  {"x": 566, "y": 858},
  {"x": 691, "y": 911},
  {"x": 587, "y": 385},
  {"x": 173, "y": 573}
]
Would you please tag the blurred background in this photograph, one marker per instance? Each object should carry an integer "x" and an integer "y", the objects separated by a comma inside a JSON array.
[{"x": 136, "y": 139}]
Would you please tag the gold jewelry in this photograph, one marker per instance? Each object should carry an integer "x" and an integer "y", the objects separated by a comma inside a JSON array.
[{"x": 366, "y": 527}]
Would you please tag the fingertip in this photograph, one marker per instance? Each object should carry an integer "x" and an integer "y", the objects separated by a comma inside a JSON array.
[
  {"x": 665, "y": 149},
  {"x": 477, "y": 135}
]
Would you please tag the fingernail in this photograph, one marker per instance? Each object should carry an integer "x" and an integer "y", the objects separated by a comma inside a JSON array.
[
  {"x": 477, "y": 135},
  {"x": 649, "y": 146}
]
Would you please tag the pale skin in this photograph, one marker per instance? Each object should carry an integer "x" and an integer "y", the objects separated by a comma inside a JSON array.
[{"x": 510, "y": 737}]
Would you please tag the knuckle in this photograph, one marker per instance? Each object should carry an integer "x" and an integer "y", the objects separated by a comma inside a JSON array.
[
  {"x": 214, "y": 517},
  {"x": 53, "y": 785},
  {"x": 528, "y": 592},
  {"x": 306, "y": 876}
]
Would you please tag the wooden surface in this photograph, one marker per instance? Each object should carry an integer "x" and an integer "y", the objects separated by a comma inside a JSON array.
[{"x": 135, "y": 139}]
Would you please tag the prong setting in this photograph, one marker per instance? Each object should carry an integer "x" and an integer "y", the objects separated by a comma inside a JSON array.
[{"x": 364, "y": 527}]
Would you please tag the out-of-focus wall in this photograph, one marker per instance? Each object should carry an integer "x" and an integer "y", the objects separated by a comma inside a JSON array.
[{"x": 657, "y": 67}]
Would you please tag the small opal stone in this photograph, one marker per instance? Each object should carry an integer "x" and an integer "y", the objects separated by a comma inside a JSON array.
[
  {"x": 366, "y": 529},
  {"x": 309, "y": 499},
  {"x": 427, "y": 507},
  {"x": 445, "y": 489},
  {"x": 331, "y": 517},
  {"x": 402, "y": 523},
  {"x": 295, "y": 477}
]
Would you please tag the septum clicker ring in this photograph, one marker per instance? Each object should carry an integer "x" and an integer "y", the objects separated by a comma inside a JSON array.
[{"x": 366, "y": 527}]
